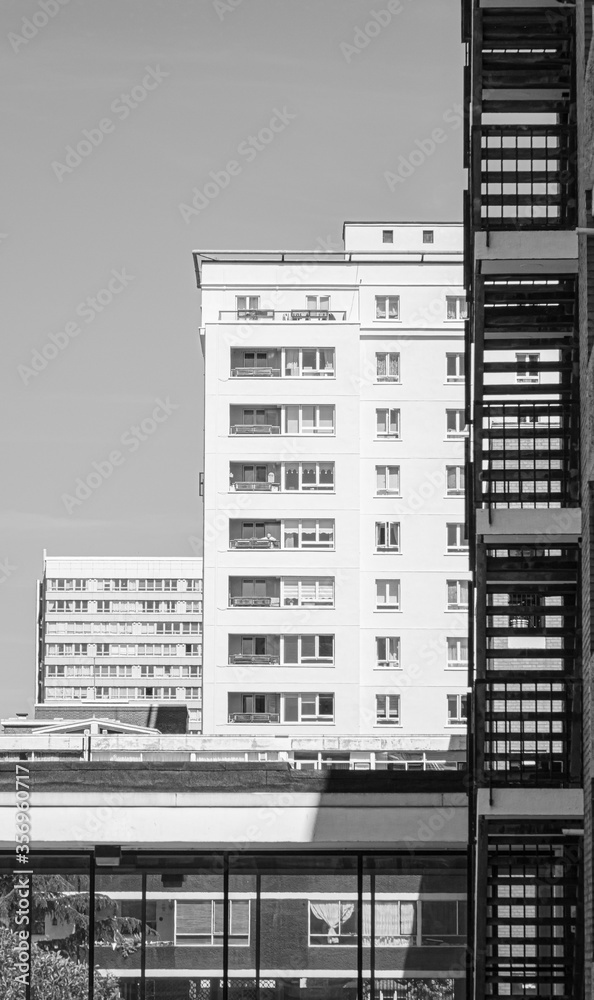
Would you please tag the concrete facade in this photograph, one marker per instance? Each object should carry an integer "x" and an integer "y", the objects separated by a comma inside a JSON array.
[{"x": 334, "y": 446}]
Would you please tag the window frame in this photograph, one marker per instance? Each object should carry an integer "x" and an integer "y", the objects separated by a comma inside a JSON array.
[
  {"x": 388, "y": 355},
  {"x": 395, "y": 435},
  {"x": 390, "y": 719},
  {"x": 306, "y": 661},
  {"x": 428, "y": 236},
  {"x": 459, "y": 476},
  {"x": 307, "y": 697},
  {"x": 385, "y": 663},
  {"x": 215, "y": 940},
  {"x": 460, "y": 585},
  {"x": 389, "y": 529},
  {"x": 385, "y": 606},
  {"x": 316, "y": 428},
  {"x": 461, "y": 703},
  {"x": 460, "y": 308},
  {"x": 460, "y": 545},
  {"x": 456, "y": 663},
  {"x": 459, "y": 359},
  {"x": 387, "y": 307},
  {"x": 385, "y": 491},
  {"x": 456, "y": 434}
]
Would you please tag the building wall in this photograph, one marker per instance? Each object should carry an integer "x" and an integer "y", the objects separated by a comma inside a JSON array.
[
  {"x": 74, "y": 666},
  {"x": 422, "y": 336}
]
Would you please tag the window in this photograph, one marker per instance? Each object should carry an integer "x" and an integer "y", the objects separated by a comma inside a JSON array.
[
  {"x": 521, "y": 618},
  {"x": 255, "y": 420},
  {"x": 307, "y": 649},
  {"x": 388, "y": 651},
  {"x": 69, "y": 607},
  {"x": 309, "y": 533},
  {"x": 387, "y": 423},
  {"x": 317, "y": 303},
  {"x": 387, "y": 594},
  {"x": 307, "y": 708},
  {"x": 527, "y": 368},
  {"x": 67, "y": 649},
  {"x": 387, "y": 536},
  {"x": 387, "y": 235},
  {"x": 308, "y": 419},
  {"x": 307, "y": 591},
  {"x": 455, "y": 480},
  {"x": 387, "y": 307},
  {"x": 305, "y": 476},
  {"x": 457, "y": 705},
  {"x": 60, "y": 584},
  {"x": 457, "y": 653},
  {"x": 246, "y": 305},
  {"x": 200, "y": 922},
  {"x": 387, "y": 709},
  {"x": 455, "y": 368},
  {"x": 456, "y": 538},
  {"x": 332, "y": 922},
  {"x": 387, "y": 480},
  {"x": 443, "y": 921},
  {"x": 387, "y": 367},
  {"x": 305, "y": 361},
  {"x": 456, "y": 307},
  {"x": 427, "y": 236},
  {"x": 455, "y": 423},
  {"x": 457, "y": 595}
]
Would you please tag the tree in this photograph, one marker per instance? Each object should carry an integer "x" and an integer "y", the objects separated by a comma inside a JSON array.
[
  {"x": 65, "y": 900},
  {"x": 54, "y": 976}
]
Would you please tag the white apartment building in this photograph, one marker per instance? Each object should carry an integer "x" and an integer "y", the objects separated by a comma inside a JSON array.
[
  {"x": 120, "y": 632},
  {"x": 335, "y": 562}
]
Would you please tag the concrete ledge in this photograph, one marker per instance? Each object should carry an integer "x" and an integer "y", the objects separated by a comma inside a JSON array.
[
  {"x": 526, "y": 245},
  {"x": 531, "y": 803},
  {"x": 555, "y": 525}
]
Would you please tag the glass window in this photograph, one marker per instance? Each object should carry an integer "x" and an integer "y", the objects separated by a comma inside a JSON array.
[
  {"x": 387, "y": 479},
  {"x": 456, "y": 538},
  {"x": 457, "y": 594},
  {"x": 387, "y": 235},
  {"x": 387, "y": 307},
  {"x": 457, "y": 709},
  {"x": 455, "y": 423},
  {"x": 387, "y": 536},
  {"x": 387, "y": 366},
  {"x": 387, "y": 423},
  {"x": 387, "y": 650},
  {"x": 387, "y": 709},
  {"x": 387, "y": 593},
  {"x": 455, "y": 369},
  {"x": 527, "y": 368},
  {"x": 427, "y": 236},
  {"x": 455, "y": 480},
  {"x": 457, "y": 653},
  {"x": 456, "y": 307}
]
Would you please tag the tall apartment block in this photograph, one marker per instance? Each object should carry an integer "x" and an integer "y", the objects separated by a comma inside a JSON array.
[
  {"x": 530, "y": 283},
  {"x": 120, "y": 633},
  {"x": 335, "y": 557}
]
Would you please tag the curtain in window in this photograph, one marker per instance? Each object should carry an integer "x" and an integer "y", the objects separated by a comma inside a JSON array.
[
  {"x": 393, "y": 922},
  {"x": 333, "y": 915},
  {"x": 381, "y": 364},
  {"x": 393, "y": 364}
]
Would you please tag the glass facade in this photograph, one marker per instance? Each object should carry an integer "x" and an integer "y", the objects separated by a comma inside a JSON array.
[{"x": 259, "y": 926}]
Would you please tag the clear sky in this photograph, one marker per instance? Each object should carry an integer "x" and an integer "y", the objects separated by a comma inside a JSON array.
[{"x": 99, "y": 296}]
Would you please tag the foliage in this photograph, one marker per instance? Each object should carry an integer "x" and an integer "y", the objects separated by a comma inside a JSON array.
[{"x": 55, "y": 977}]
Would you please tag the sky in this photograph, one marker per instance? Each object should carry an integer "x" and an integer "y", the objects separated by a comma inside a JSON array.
[{"x": 120, "y": 119}]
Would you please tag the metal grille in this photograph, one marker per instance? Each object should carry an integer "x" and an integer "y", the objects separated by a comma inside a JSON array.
[
  {"x": 526, "y": 175},
  {"x": 528, "y": 456},
  {"x": 532, "y": 917},
  {"x": 528, "y": 731}
]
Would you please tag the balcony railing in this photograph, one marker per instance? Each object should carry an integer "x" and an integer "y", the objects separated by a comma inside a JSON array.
[
  {"x": 255, "y": 429},
  {"x": 254, "y": 543},
  {"x": 254, "y": 658},
  {"x": 529, "y": 455},
  {"x": 527, "y": 176},
  {"x": 253, "y": 372},
  {"x": 254, "y": 602},
  {"x": 244, "y": 487},
  {"x": 282, "y": 315},
  {"x": 254, "y": 717}
]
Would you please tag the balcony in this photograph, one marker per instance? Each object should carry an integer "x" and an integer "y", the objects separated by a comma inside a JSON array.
[
  {"x": 254, "y": 659},
  {"x": 254, "y": 717},
  {"x": 251, "y": 487},
  {"x": 282, "y": 315},
  {"x": 255, "y": 372},
  {"x": 255, "y": 429},
  {"x": 254, "y": 543},
  {"x": 254, "y": 602}
]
